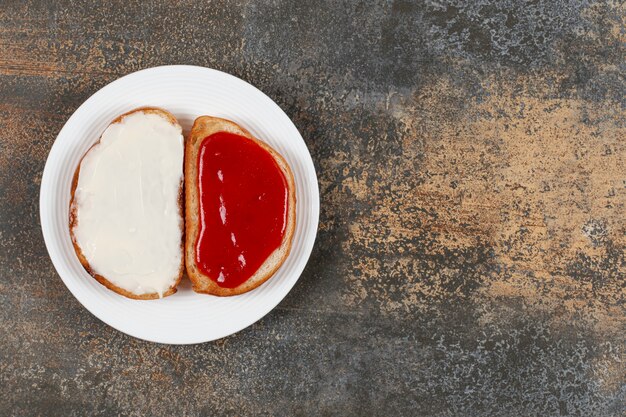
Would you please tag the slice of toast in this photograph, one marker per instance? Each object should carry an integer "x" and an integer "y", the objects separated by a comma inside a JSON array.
[
  {"x": 83, "y": 203},
  {"x": 203, "y": 127}
]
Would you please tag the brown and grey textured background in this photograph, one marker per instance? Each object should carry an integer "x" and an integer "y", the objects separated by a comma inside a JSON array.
[{"x": 471, "y": 252}]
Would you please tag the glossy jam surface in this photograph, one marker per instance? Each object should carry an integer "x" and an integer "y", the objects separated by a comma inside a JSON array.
[{"x": 243, "y": 208}]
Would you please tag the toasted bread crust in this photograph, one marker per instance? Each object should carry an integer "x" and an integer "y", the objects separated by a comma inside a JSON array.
[
  {"x": 205, "y": 126},
  {"x": 74, "y": 218}
]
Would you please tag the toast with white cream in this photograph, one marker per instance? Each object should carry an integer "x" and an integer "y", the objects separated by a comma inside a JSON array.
[{"x": 126, "y": 219}]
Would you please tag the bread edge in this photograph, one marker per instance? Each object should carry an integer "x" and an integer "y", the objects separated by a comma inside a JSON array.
[
  {"x": 73, "y": 217},
  {"x": 204, "y": 126}
]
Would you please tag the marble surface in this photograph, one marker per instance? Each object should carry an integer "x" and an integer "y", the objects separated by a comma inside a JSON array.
[{"x": 471, "y": 252}]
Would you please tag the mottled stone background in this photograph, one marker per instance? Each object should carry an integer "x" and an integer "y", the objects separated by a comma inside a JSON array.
[{"x": 471, "y": 252}]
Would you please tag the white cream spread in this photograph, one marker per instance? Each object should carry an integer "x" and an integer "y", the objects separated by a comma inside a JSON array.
[{"x": 126, "y": 200}]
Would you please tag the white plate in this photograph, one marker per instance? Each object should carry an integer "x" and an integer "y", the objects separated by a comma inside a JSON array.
[{"x": 187, "y": 92}]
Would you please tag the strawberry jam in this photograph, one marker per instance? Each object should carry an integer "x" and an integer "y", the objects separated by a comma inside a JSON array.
[{"x": 243, "y": 207}]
